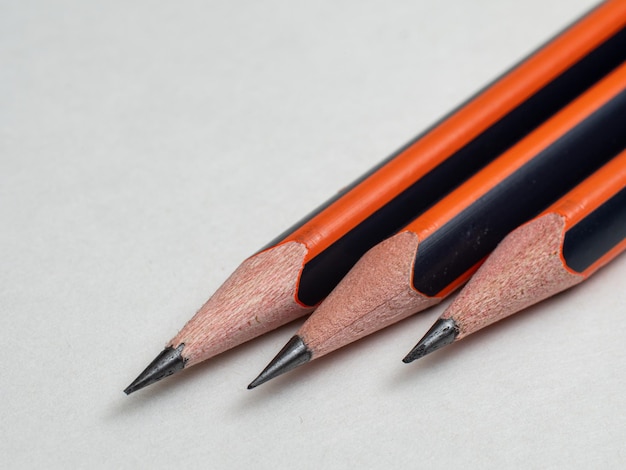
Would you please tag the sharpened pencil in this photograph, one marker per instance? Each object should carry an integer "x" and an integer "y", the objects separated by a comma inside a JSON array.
[
  {"x": 560, "y": 248},
  {"x": 296, "y": 271},
  {"x": 439, "y": 250}
]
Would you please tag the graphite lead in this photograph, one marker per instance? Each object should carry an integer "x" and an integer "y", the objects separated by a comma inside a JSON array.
[
  {"x": 442, "y": 333},
  {"x": 294, "y": 354},
  {"x": 167, "y": 363}
]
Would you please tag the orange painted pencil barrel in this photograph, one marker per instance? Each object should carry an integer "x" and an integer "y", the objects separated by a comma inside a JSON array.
[
  {"x": 595, "y": 220},
  {"x": 558, "y": 249},
  {"x": 338, "y": 234}
]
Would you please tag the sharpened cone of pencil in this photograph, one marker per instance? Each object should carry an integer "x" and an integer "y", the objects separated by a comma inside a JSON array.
[{"x": 415, "y": 228}]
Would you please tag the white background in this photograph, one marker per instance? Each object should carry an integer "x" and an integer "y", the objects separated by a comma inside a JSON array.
[{"x": 147, "y": 148}]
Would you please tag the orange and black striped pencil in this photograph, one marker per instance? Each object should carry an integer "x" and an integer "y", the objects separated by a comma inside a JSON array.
[
  {"x": 562, "y": 247},
  {"x": 438, "y": 251},
  {"x": 291, "y": 275}
]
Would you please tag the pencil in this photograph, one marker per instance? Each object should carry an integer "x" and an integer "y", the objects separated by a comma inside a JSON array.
[
  {"x": 439, "y": 250},
  {"x": 293, "y": 274},
  {"x": 560, "y": 248}
]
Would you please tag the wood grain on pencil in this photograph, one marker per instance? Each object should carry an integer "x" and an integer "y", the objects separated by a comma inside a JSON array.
[
  {"x": 331, "y": 239},
  {"x": 529, "y": 268},
  {"x": 385, "y": 293},
  {"x": 441, "y": 248},
  {"x": 270, "y": 279}
]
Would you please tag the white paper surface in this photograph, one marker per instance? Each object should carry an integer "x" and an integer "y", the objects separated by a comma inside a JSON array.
[{"x": 147, "y": 148}]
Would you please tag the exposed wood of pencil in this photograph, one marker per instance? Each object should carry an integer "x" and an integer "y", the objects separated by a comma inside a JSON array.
[
  {"x": 525, "y": 268},
  {"x": 257, "y": 297},
  {"x": 379, "y": 284}
]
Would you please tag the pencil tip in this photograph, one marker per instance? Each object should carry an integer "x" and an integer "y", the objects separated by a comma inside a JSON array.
[
  {"x": 294, "y": 354},
  {"x": 442, "y": 333},
  {"x": 165, "y": 364}
]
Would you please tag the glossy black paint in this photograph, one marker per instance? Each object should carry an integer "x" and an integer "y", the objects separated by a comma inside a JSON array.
[
  {"x": 595, "y": 235},
  {"x": 474, "y": 233}
]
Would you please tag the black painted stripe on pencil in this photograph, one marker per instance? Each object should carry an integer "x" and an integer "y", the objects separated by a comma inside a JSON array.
[
  {"x": 584, "y": 243},
  {"x": 445, "y": 256}
]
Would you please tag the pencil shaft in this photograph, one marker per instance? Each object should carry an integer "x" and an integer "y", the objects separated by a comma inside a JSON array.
[
  {"x": 531, "y": 263},
  {"x": 521, "y": 282},
  {"x": 437, "y": 162}
]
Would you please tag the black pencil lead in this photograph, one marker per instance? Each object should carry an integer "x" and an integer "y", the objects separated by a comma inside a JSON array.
[
  {"x": 294, "y": 354},
  {"x": 442, "y": 333},
  {"x": 165, "y": 364}
]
